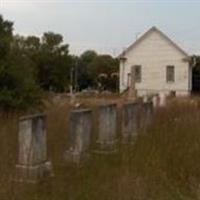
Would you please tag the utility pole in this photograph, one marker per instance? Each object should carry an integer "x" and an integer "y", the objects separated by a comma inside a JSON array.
[
  {"x": 76, "y": 75},
  {"x": 71, "y": 81}
]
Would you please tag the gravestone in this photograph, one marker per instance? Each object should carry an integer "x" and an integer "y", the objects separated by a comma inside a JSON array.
[
  {"x": 107, "y": 129},
  {"x": 145, "y": 98},
  {"x": 162, "y": 102},
  {"x": 32, "y": 158},
  {"x": 147, "y": 113},
  {"x": 79, "y": 135},
  {"x": 129, "y": 122},
  {"x": 155, "y": 100}
]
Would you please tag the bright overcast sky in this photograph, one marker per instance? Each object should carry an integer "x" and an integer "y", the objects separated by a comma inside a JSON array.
[{"x": 107, "y": 26}]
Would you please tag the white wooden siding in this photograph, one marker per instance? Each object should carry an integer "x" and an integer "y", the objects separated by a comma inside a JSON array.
[{"x": 154, "y": 53}]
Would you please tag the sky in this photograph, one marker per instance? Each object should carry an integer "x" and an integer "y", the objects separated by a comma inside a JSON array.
[{"x": 107, "y": 26}]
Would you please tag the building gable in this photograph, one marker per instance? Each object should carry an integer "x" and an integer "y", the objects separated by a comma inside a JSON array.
[{"x": 145, "y": 37}]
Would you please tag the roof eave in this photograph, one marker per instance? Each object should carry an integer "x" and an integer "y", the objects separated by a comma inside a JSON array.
[{"x": 145, "y": 34}]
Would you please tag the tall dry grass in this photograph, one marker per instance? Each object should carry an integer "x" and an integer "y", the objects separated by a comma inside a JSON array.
[{"x": 163, "y": 164}]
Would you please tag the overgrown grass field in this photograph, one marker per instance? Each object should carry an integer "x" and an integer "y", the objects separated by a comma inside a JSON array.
[{"x": 164, "y": 163}]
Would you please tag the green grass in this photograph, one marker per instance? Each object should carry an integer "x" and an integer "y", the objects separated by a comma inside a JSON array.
[{"x": 164, "y": 163}]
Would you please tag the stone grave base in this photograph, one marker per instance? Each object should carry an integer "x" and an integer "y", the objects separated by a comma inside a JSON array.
[
  {"x": 110, "y": 147},
  {"x": 75, "y": 157},
  {"x": 33, "y": 173}
]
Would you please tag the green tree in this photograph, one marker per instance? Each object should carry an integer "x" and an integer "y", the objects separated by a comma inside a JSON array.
[
  {"x": 195, "y": 73},
  {"x": 94, "y": 70},
  {"x": 85, "y": 77},
  {"x": 104, "y": 65},
  {"x": 6, "y": 28},
  {"x": 54, "y": 63},
  {"x": 18, "y": 88}
]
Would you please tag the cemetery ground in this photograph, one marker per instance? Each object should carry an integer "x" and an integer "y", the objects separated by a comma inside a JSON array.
[{"x": 163, "y": 163}]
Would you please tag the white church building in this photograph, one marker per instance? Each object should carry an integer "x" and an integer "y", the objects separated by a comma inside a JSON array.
[{"x": 158, "y": 65}]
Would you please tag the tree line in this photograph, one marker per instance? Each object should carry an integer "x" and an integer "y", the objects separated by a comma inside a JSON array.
[{"x": 31, "y": 66}]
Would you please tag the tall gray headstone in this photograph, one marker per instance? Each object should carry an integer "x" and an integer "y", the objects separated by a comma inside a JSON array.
[
  {"x": 79, "y": 135},
  {"x": 107, "y": 129},
  {"x": 155, "y": 100},
  {"x": 32, "y": 159},
  {"x": 162, "y": 98},
  {"x": 129, "y": 122},
  {"x": 147, "y": 118}
]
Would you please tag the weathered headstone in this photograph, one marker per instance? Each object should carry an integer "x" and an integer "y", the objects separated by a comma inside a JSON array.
[
  {"x": 79, "y": 136},
  {"x": 145, "y": 99},
  {"x": 162, "y": 102},
  {"x": 155, "y": 100},
  {"x": 129, "y": 121},
  {"x": 148, "y": 113},
  {"x": 145, "y": 116},
  {"x": 32, "y": 159},
  {"x": 107, "y": 129}
]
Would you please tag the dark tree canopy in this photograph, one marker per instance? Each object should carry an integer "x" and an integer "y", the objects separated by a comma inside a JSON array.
[
  {"x": 195, "y": 74},
  {"x": 18, "y": 88},
  {"x": 90, "y": 68},
  {"x": 6, "y": 28},
  {"x": 31, "y": 65}
]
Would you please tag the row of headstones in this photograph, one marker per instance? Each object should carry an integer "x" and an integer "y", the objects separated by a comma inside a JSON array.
[{"x": 32, "y": 160}]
